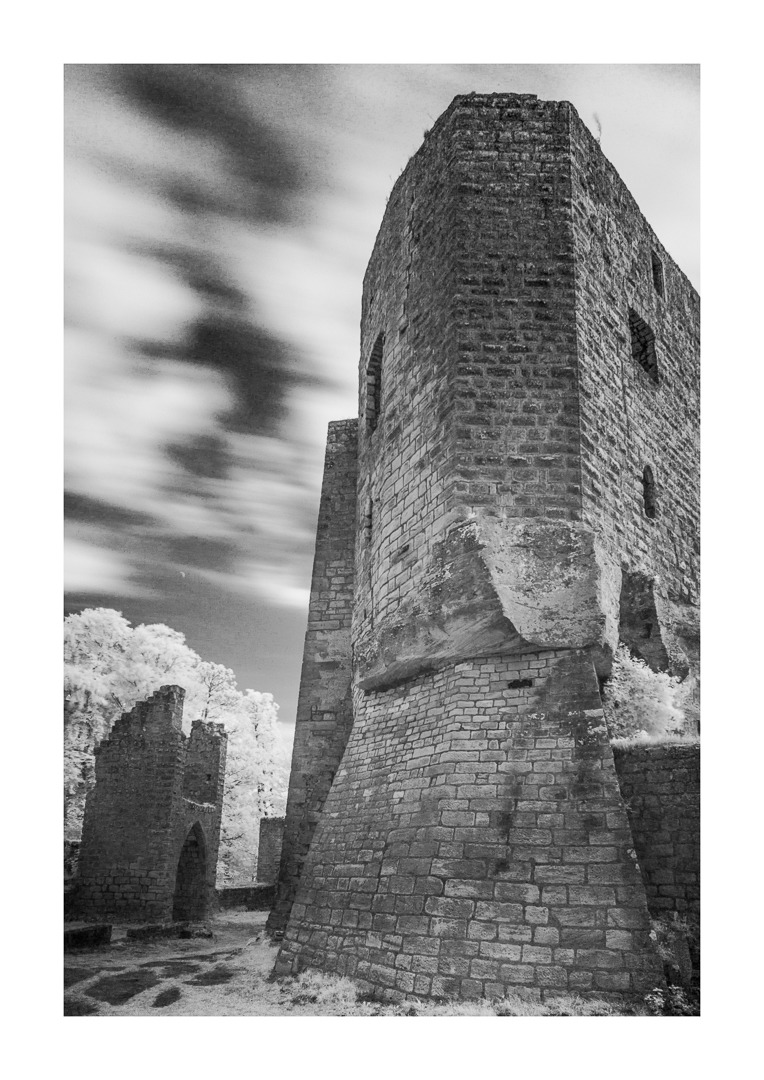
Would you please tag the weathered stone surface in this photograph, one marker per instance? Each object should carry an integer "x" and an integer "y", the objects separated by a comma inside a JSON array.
[
  {"x": 269, "y": 846},
  {"x": 152, "y": 822},
  {"x": 524, "y": 481},
  {"x": 324, "y": 706},
  {"x": 661, "y": 788}
]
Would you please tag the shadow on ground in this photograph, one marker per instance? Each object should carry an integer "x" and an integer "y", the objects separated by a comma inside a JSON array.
[{"x": 182, "y": 976}]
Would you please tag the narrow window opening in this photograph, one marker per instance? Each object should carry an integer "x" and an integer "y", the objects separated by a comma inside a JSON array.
[
  {"x": 648, "y": 492},
  {"x": 657, "y": 267},
  {"x": 368, "y": 521},
  {"x": 643, "y": 345},
  {"x": 374, "y": 384}
]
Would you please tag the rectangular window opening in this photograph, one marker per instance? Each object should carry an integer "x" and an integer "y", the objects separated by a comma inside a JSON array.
[{"x": 657, "y": 267}]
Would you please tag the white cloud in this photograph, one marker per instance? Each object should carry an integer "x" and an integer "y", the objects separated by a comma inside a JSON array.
[
  {"x": 92, "y": 569},
  {"x": 120, "y": 415}
]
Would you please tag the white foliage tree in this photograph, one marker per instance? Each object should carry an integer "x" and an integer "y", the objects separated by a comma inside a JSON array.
[
  {"x": 251, "y": 790},
  {"x": 642, "y": 703},
  {"x": 109, "y": 666}
]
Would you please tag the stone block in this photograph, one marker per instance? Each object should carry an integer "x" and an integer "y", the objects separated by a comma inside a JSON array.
[{"x": 498, "y": 912}]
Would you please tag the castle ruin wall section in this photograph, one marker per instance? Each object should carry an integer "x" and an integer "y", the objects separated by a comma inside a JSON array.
[
  {"x": 473, "y": 837},
  {"x": 154, "y": 787},
  {"x": 637, "y": 415},
  {"x": 324, "y": 706}
]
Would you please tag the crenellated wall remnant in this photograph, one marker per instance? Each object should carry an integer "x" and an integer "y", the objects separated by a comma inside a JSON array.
[
  {"x": 519, "y": 493},
  {"x": 151, "y": 830}
]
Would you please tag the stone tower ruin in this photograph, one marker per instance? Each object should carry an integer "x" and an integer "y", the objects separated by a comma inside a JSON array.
[
  {"x": 519, "y": 492},
  {"x": 151, "y": 830}
]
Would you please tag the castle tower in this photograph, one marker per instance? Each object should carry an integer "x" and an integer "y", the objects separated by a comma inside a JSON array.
[
  {"x": 526, "y": 494},
  {"x": 151, "y": 829}
]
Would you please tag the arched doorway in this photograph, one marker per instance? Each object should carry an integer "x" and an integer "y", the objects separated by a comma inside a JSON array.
[{"x": 190, "y": 899}]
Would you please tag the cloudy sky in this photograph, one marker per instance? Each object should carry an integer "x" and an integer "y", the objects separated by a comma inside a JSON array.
[{"x": 219, "y": 222}]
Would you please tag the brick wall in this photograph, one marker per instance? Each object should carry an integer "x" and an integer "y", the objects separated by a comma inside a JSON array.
[
  {"x": 661, "y": 789},
  {"x": 472, "y": 284},
  {"x": 152, "y": 820},
  {"x": 475, "y": 840},
  {"x": 629, "y": 421},
  {"x": 324, "y": 706}
]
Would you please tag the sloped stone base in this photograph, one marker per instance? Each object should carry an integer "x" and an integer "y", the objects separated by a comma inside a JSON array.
[{"x": 474, "y": 841}]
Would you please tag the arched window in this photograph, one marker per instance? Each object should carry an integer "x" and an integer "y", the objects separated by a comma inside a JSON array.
[
  {"x": 657, "y": 268},
  {"x": 374, "y": 384},
  {"x": 648, "y": 492}
]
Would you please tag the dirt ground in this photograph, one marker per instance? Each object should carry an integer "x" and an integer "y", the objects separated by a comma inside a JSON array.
[
  {"x": 225, "y": 975},
  {"x": 228, "y": 975}
]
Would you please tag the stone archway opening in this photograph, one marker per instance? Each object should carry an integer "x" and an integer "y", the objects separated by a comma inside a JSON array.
[{"x": 190, "y": 899}]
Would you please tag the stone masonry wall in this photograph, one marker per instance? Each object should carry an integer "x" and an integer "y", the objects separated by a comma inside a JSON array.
[
  {"x": 507, "y": 528},
  {"x": 269, "y": 849},
  {"x": 628, "y": 420},
  {"x": 514, "y": 389},
  {"x": 474, "y": 841},
  {"x": 154, "y": 787},
  {"x": 201, "y": 806},
  {"x": 472, "y": 285},
  {"x": 403, "y": 464},
  {"x": 661, "y": 789},
  {"x": 324, "y": 707}
]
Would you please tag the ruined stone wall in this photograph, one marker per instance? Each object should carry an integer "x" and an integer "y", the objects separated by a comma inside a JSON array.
[
  {"x": 200, "y": 809},
  {"x": 628, "y": 419},
  {"x": 269, "y": 849},
  {"x": 661, "y": 789},
  {"x": 324, "y": 707},
  {"x": 143, "y": 808},
  {"x": 474, "y": 839}
]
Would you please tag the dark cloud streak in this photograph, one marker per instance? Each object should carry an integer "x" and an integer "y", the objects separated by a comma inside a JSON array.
[{"x": 208, "y": 100}]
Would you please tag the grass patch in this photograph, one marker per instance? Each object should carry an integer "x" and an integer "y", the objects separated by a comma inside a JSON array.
[
  {"x": 317, "y": 988},
  {"x": 339, "y": 995}
]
